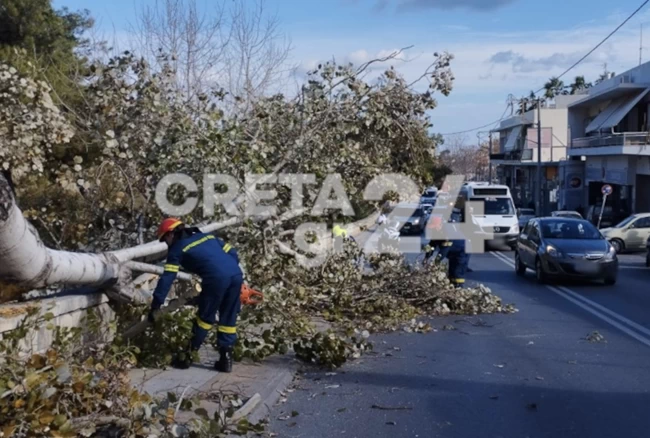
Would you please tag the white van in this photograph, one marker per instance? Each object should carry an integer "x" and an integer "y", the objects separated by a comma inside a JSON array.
[{"x": 500, "y": 216}]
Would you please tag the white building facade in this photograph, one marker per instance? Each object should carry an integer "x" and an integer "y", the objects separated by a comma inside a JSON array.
[
  {"x": 609, "y": 143},
  {"x": 516, "y": 160}
]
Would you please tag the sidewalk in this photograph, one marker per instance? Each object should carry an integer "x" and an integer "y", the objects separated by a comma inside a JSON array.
[{"x": 268, "y": 379}]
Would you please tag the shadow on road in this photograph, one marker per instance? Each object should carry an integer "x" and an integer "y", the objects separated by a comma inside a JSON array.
[{"x": 459, "y": 409}]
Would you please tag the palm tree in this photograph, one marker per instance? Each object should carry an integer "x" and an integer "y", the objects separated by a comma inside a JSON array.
[
  {"x": 528, "y": 103},
  {"x": 579, "y": 84},
  {"x": 554, "y": 87}
]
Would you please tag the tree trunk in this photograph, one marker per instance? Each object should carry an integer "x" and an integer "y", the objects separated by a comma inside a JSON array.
[{"x": 27, "y": 262}]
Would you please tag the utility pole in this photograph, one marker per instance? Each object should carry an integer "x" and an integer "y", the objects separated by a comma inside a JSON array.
[
  {"x": 641, "y": 45},
  {"x": 538, "y": 192},
  {"x": 490, "y": 160}
]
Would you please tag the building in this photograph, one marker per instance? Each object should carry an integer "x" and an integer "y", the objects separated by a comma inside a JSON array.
[
  {"x": 610, "y": 144},
  {"x": 516, "y": 159}
]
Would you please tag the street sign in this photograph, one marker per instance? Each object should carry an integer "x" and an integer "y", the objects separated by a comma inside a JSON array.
[{"x": 606, "y": 190}]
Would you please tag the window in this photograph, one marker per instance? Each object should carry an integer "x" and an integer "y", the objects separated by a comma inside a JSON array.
[
  {"x": 498, "y": 206},
  {"x": 533, "y": 233},
  {"x": 625, "y": 222},
  {"x": 559, "y": 229},
  {"x": 644, "y": 222}
]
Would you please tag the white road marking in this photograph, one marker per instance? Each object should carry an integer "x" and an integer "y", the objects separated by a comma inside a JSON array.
[{"x": 620, "y": 322}]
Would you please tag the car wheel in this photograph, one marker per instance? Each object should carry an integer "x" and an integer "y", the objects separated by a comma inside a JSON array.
[
  {"x": 610, "y": 281},
  {"x": 520, "y": 268},
  {"x": 539, "y": 272},
  {"x": 618, "y": 245}
]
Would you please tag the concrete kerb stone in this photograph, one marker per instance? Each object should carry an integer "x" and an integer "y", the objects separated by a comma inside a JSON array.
[{"x": 267, "y": 380}]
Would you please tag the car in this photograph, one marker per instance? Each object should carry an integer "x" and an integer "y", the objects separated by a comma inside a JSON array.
[
  {"x": 565, "y": 248},
  {"x": 609, "y": 218},
  {"x": 429, "y": 196},
  {"x": 630, "y": 234},
  {"x": 498, "y": 219},
  {"x": 567, "y": 213},
  {"x": 524, "y": 215},
  {"x": 428, "y": 208},
  {"x": 412, "y": 217}
]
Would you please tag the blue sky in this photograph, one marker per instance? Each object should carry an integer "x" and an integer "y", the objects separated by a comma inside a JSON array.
[{"x": 501, "y": 47}]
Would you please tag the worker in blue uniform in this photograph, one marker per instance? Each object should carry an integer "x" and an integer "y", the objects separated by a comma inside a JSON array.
[
  {"x": 457, "y": 262},
  {"x": 442, "y": 245},
  {"x": 452, "y": 249},
  {"x": 217, "y": 264}
]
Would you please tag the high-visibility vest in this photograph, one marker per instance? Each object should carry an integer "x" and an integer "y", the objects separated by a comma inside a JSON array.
[{"x": 338, "y": 231}]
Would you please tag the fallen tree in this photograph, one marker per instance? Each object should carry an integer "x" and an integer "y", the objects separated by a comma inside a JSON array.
[{"x": 86, "y": 173}]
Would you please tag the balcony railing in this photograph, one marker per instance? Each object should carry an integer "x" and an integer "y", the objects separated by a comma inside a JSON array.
[
  {"x": 556, "y": 153},
  {"x": 623, "y": 139}
]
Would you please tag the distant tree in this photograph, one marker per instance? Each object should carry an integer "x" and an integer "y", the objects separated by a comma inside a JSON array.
[
  {"x": 579, "y": 84},
  {"x": 45, "y": 43},
  {"x": 554, "y": 87},
  {"x": 529, "y": 103},
  {"x": 50, "y": 36}
]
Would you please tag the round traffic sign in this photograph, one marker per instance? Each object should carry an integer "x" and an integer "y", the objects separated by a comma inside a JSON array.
[{"x": 606, "y": 190}]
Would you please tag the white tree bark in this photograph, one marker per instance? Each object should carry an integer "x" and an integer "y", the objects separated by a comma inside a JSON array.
[{"x": 24, "y": 258}]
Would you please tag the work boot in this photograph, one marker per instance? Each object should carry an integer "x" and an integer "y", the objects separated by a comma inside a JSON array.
[
  {"x": 224, "y": 364},
  {"x": 184, "y": 359}
]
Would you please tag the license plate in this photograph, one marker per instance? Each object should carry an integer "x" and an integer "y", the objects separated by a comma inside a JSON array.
[{"x": 587, "y": 268}]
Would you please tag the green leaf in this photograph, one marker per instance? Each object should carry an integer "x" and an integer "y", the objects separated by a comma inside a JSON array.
[{"x": 201, "y": 412}]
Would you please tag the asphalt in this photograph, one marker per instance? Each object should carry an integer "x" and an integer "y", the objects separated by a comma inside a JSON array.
[{"x": 529, "y": 374}]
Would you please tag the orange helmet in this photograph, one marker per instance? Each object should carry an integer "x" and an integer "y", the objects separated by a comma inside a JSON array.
[{"x": 166, "y": 226}]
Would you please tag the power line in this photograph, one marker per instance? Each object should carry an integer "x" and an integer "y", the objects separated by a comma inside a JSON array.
[
  {"x": 601, "y": 43},
  {"x": 480, "y": 127},
  {"x": 566, "y": 71}
]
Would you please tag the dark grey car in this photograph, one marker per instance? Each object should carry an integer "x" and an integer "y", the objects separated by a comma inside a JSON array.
[{"x": 565, "y": 248}]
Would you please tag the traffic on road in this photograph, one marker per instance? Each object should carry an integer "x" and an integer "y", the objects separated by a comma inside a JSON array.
[{"x": 572, "y": 362}]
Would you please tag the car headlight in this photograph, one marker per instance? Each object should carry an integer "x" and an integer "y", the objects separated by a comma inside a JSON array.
[
  {"x": 515, "y": 228},
  {"x": 611, "y": 253},
  {"x": 416, "y": 221},
  {"x": 553, "y": 252}
]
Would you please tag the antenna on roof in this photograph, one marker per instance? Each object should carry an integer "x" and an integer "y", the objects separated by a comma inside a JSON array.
[{"x": 641, "y": 45}]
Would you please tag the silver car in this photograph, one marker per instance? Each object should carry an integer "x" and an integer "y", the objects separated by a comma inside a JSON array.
[{"x": 565, "y": 248}]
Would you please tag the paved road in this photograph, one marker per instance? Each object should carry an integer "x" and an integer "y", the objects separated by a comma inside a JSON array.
[{"x": 531, "y": 374}]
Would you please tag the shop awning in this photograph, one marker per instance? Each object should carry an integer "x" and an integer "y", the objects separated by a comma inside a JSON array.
[
  {"x": 512, "y": 138},
  {"x": 615, "y": 112}
]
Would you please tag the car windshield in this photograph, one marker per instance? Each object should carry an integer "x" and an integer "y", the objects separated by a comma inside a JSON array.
[
  {"x": 625, "y": 222},
  {"x": 569, "y": 229},
  {"x": 501, "y": 206},
  {"x": 526, "y": 212}
]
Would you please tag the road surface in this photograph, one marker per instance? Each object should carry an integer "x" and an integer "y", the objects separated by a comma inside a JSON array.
[{"x": 530, "y": 374}]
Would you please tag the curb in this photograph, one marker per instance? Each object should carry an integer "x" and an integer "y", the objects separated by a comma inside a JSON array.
[{"x": 271, "y": 393}]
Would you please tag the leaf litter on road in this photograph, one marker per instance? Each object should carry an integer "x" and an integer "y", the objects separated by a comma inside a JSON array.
[
  {"x": 595, "y": 336},
  {"x": 392, "y": 408}
]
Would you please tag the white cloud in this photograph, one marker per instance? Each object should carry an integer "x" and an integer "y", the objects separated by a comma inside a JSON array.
[{"x": 488, "y": 66}]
